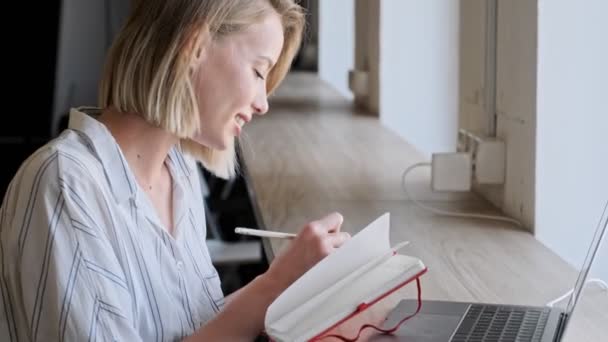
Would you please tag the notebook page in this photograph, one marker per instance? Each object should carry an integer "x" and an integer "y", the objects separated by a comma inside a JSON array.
[{"x": 370, "y": 243}]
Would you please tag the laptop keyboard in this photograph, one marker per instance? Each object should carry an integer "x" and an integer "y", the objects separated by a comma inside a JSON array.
[{"x": 495, "y": 323}]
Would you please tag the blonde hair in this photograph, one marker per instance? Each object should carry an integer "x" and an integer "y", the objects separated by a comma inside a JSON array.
[{"x": 148, "y": 69}]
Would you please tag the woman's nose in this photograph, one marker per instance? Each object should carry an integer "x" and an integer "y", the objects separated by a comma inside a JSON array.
[{"x": 260, "y": 105}]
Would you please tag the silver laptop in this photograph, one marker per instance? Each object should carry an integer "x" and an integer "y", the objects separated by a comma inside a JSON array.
[{"x": 443, "y": 321}]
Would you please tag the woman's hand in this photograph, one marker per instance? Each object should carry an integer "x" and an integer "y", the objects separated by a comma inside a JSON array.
[
  {"x": 243, "y": 315},
  {"x": 314, "y": 242}
]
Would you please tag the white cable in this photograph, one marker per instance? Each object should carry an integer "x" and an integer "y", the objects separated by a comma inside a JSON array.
[
  {"x": 443, "y": 212},
  {"x": 600, "y": 282}
]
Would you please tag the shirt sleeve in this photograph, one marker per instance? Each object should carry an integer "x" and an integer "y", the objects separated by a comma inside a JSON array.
[{"x": 61, "y": 278}]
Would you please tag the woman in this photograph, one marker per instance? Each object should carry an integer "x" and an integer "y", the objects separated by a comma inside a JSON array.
[{"x": 103, "y": 229}]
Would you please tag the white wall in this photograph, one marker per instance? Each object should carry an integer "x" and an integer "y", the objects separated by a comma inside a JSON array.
[
  {"x": 572, "y": 141},
  {"x": 419, "y": 92},
  {"x": 87, "y": 27},
  {"x": 336, "y": 43}
]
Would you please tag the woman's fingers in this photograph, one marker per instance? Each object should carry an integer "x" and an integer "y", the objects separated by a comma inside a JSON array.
[
  {"x": 315, "y": 241},
  {"x": 330, "y": 223},
  {"x": 338, "y": 239}
]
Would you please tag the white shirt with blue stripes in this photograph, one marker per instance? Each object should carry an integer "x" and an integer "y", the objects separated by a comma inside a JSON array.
[{"x": 83, "y": 255}]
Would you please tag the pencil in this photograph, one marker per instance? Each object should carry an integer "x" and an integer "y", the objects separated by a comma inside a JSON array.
[{"x": 263, "y": 233}]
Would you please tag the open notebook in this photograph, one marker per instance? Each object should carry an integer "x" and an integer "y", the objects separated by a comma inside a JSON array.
[{"x": 355, "y": 276}]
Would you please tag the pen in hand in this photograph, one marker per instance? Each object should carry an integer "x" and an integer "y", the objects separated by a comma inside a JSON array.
[{"x": 263, "y": 233}]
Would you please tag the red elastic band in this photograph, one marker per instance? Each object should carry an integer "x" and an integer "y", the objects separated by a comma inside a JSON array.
[{"x": 385, "y": 331}]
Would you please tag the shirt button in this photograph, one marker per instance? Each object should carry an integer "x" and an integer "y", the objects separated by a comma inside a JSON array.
[{"x": 180, "y": 265}]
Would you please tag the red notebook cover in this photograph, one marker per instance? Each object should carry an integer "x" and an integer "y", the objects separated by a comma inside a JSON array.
[{"x": 364, "y": 306}]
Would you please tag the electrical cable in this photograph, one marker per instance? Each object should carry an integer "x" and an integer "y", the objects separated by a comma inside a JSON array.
[
  {"x": 443, "y": 212},
  {"x": 600, "y": 282}
]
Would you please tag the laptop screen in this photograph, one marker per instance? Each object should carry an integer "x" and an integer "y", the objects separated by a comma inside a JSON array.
[{"x": 582, "y": 278}]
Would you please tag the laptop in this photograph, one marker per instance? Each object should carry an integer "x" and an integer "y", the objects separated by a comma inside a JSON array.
[{"x": 443, "y": 321}]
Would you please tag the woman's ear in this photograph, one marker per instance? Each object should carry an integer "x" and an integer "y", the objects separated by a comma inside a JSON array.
[{"x": 196, "y": 47}]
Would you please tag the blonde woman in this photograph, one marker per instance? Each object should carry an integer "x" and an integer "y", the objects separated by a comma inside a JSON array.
[{"x": 103, "y": 229}]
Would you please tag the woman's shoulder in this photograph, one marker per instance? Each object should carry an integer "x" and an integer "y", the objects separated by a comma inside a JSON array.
[
  {"x": 57, "y": 171},
  {"x": 64, "y": 158},
  {"x": 67, "y": 154}
]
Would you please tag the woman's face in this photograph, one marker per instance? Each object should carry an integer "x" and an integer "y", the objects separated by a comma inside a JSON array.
[{"x": 230, "y": 81}]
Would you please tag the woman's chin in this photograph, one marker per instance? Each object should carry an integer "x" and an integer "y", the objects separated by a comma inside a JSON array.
[{"x": 219, "y": 144}]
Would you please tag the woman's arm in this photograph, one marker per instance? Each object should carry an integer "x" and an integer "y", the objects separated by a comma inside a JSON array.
[
  {"x": 242, "y": 318},
  {"x": 61, "y": 278}
]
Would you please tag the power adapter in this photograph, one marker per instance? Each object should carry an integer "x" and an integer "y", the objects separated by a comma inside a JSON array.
[{"x": 451, "y": 171}]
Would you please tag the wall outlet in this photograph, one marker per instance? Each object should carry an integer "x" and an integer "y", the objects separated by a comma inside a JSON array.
[
  {"x": 490, "y": 162},
  {"x": 488, "y": 157},
  {"x": 451, "y": 172}
]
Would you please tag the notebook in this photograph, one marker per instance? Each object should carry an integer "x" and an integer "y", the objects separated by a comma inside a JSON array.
[{"x": 357, "y": 275}]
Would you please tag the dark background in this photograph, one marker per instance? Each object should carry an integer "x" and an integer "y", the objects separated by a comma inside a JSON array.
[{"x": 29, "y": 76}]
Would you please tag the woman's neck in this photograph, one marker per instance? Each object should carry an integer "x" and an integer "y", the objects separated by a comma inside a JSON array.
[{"x": 144, "y": 146}]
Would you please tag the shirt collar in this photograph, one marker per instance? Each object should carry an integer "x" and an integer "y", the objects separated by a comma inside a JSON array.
[
  {"x": 104, "y": 146},
  {"x": 182, "y": 166}
]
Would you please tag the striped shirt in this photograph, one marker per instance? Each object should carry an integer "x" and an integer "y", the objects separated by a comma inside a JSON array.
[{"x": 84, "y": 256}]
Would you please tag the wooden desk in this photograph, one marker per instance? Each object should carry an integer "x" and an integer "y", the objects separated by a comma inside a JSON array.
[{"x": 313, "y": 154}]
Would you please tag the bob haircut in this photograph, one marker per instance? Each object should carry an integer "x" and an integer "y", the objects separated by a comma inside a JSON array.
[{"x": 148, "y": 68}]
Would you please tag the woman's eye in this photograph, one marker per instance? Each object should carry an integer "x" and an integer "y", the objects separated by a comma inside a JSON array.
[{"x": 257, "y": 73}]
